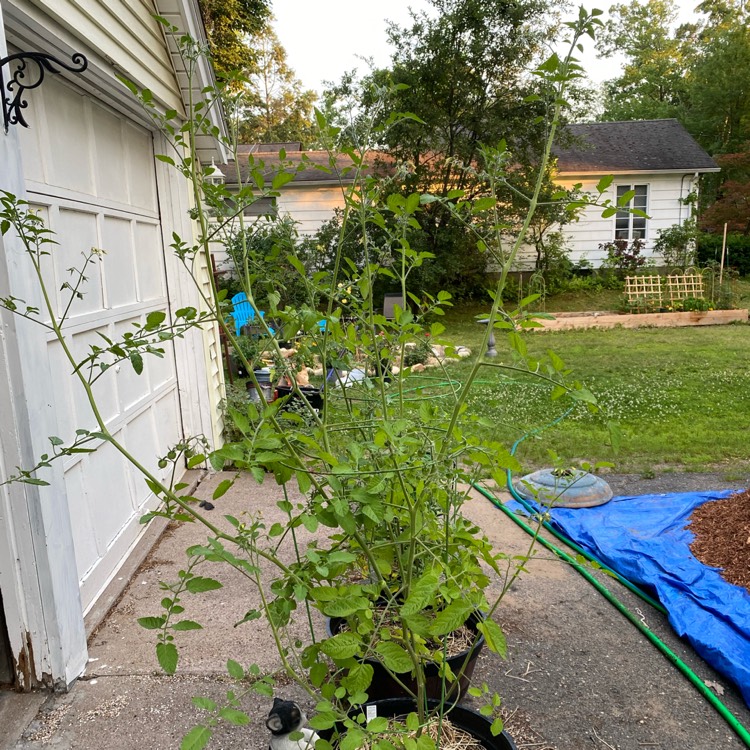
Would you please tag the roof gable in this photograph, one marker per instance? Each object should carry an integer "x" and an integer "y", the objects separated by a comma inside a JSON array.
[{"x": 632, "y": 146}]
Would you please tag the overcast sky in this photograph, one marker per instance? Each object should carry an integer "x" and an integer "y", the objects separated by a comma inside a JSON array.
[{"x": 324, "y": 39}]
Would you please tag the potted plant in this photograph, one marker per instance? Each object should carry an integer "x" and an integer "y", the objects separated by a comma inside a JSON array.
[{"x": 384, "y": 469}]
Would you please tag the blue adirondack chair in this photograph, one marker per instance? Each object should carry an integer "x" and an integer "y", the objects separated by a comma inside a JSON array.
[{"x": 243, "y": 312}]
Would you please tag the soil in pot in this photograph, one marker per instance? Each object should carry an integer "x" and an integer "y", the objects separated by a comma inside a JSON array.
[
  {"x": 467, "y": 730},
  {"x": 385, "y": 686}
]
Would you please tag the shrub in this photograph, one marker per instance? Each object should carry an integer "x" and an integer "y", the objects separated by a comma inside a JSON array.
[
  {"x": 676, "y": 244},
  {"x": 263, "y": 248},
  {"x": 624, "y": 257},
  {"x": 737, "y": 254}
]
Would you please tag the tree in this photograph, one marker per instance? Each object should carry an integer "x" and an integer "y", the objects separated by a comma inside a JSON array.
[
  {"x": 732, "y": 206},
  {"x": 718, "y": 115},
  {"x": 278, "y": 107},
  {"x": 464, "y": 72},
  {"x": 228, "y": 24},
  {"x": 652, "y": 84}
]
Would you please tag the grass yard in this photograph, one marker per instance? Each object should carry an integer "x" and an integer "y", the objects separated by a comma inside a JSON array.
[{"x": 681, "y": 396}]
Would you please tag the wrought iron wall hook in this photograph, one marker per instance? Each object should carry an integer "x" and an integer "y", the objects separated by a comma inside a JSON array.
[{"x": 26, "y": 77}]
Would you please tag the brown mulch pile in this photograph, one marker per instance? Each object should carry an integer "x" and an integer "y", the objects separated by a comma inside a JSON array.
[{"x": 722, "y": 536}]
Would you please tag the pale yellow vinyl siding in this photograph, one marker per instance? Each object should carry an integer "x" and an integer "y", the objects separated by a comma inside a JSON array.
[
  {"x": 125, "y": 32},
  {"x": 310, "y": 206}
]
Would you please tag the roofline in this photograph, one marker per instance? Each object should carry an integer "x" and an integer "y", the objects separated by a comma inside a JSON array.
[
  {"x": 305, "y": 183},
  {"x": 686, "y": 170}
]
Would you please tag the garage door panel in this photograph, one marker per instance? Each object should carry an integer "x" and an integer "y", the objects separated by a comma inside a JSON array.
[
  {"x": 169, "y": 432},
  {"x": 142, "y": 431},
  {"x": 108, "y": 495},
  {"x": 104, "y": 389},
  {"x": 160, "y": 370},
  {"x": 87, "y": 554},
  {"x": 118, "y": 265},
  {"x": 149, "y": 262},
  {"x": 110, "y": 166},
  {"x": 72, "y": 166},
  {"x": 77, "y": 233},
  {"x": 62, "y": 394},
  {"x": 140, "y": 167}
]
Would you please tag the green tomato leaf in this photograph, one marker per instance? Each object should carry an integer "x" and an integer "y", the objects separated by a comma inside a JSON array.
[
  {"x": 196, "y": 739},
  {"x": 341, "y": 646},
  {"x": 151, "y": 623},
  {"x": 494, "y": 637},
  {"x": 166, "y": 653},
  {"x": 420, "y": 594},
  {"x": 394, "y": 657},
  {"x": 199, "y": 584},
  {"x": 451, "y": 618},
  {"x": 187, "y": 625},
  {"x": 233, "y": 716},
  {"x": 235, "y": 670},
  {"x": 205, "y": 703}
]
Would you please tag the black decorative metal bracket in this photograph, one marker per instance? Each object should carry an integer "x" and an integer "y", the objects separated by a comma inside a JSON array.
[{"x": 25, "y": 77}]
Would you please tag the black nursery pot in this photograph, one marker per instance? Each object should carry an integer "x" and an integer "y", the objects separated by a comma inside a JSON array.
[
  {"x": 384, "y": 686},
  {"x": 312, "y": 394},
  {"x": 464, "y": 718}
]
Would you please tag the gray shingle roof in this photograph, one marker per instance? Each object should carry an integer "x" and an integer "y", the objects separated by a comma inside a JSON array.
[{"x": 632, "y": 146}]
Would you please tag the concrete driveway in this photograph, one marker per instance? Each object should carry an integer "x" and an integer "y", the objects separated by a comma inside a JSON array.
[{"x": 578, "y": 676}]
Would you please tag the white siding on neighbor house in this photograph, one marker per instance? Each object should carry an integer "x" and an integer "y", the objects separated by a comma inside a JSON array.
[
  {"x": 664, "y": 210},
  {"x": 309, "y": 205}
]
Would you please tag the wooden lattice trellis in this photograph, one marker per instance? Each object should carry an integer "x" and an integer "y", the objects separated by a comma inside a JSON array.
[
  {"x": 657, "y": 291},
  {"x": 682, "y": 287}
]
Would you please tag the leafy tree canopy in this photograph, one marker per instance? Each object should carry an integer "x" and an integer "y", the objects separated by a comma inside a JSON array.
[
  {"x": 697, "y": 73},
  {"x": 464, "y": 71},
  {"x": 228, "y": 24},
  {"x": 278, "y": 109}
]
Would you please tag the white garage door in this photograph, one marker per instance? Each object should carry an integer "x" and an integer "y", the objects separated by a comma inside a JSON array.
[{"x": 92, "y": 174}]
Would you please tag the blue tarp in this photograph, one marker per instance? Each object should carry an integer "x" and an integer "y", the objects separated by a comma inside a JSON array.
[{"x": 644, "y": 538}]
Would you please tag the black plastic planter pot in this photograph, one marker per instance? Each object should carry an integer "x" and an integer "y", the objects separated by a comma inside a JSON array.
[
  {"x": 312, "y": 394},
  {"x": 461, "y": 717},
  {"x": 385, "y": 686}
]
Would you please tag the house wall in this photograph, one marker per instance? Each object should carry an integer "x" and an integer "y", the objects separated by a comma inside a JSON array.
[
  {"x": 664, "y": 210},
  {"x": 310, "y": 205}
]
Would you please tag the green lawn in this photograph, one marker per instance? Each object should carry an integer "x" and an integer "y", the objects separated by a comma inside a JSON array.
[{"x": 681, "y": 396}]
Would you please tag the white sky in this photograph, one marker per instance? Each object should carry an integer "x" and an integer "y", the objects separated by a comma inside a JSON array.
[{"x": 324, "y": 39}]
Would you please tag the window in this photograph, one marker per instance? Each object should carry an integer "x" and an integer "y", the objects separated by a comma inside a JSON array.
[
  {"x": 629, "y": 226},
  {"x": 265, "y": 206},
  {"x": 262, "y": 207}
]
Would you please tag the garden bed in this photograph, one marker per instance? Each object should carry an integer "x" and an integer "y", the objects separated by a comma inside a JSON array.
[{"x": 611, "y": 319}]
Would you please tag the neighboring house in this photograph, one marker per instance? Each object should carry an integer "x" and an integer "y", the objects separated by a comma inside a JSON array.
[
  {"x": 87, "y": 163},
  {"x": 657, "y": 158},
  {"x": 311, "y": 199}
]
